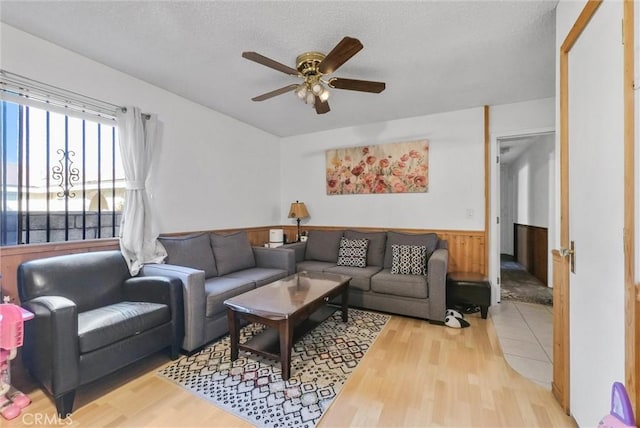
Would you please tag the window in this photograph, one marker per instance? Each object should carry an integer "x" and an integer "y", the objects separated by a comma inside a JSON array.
[{"x": 61, "y": 175}]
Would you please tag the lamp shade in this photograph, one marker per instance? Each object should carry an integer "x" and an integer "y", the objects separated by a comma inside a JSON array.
[{"x": 298, "y": 210}]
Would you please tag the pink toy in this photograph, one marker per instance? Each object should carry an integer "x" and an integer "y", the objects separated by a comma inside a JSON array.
[
  {"x": 12, "y": 318},
  {"x": 621, "y": 414}
]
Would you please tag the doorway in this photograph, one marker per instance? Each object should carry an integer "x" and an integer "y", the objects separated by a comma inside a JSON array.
[
  {"x": 523, "y": 206},
  {"x": 527, "y": 159},
  {"x": 526, "y": 169}
]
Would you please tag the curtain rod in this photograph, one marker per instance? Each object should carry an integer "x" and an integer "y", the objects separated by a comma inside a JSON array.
[
  {"x": 144, "y": 115},
  {"x": 23, "y": 86}
]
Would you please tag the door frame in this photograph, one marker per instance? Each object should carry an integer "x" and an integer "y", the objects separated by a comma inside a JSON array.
[
  {"x": 560, "y": 383},
  {"x": 494, "y": 228}
]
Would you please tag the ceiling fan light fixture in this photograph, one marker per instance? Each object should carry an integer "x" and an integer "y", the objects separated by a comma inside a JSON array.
[
  {"x": 313, "y": 68},
  {"x": 301, "y": 91},
  {"x": 311, "y": 99},
  {"x": 324, "y": 95},
  {"x": 317, "y": 88}
]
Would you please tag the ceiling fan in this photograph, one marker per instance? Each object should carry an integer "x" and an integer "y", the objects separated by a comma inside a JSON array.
[{"x": 313, "y": 67}]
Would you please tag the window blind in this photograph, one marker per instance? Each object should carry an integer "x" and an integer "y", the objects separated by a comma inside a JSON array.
[{"x": 23, "y": 90}]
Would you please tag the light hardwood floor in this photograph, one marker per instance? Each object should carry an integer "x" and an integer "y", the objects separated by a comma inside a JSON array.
[{"x": 415, "y": 375}]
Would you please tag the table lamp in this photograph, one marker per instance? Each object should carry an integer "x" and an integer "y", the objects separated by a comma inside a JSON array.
[{"x": 298, "y": 211}]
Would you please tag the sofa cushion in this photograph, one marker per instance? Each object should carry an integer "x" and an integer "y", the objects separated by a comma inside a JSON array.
[
  {"x": 103, "y": 326},
  {"x": 219, "y": 289},
  {"x": 377, "y": 241},
  {"x": 232, "y": 252},
  {"x": 261, "y": 276},
  {"x": 408, "y": 259},
  {"x": 353, "y": 252},
  {"x": 414, "y": 286},
  {"x": 429, "y": 240},
  {"x": 313, "y": 266},
  {"x": 322, "y": 245},
  {"x": 360, "y": 277},
  {"x": 192, "y": 251}
]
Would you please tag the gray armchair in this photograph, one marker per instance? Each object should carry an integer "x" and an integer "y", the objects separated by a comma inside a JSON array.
[{"x": 92, "y": 318}]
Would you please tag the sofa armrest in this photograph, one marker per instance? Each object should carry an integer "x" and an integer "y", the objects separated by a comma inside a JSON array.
[
  {"x": 299, "y": 248},
  {"x": 279, "y": 258},
  {"x": 160, "y": 289},
  {"x": 51, "y": 349},
  {"x": 194, "y": 300},
  {"x": 153, "y": 289},
  {"x": 437, "y": 278}
]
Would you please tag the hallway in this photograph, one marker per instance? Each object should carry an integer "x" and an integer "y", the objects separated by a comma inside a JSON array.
[
  {"x": 519, "y": 285},
  {"x": 524, "y": 322},
  {"x": 525, "y": 331}
]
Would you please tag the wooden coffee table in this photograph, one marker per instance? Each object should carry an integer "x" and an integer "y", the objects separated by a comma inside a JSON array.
[{"x": 290, "y": 307}]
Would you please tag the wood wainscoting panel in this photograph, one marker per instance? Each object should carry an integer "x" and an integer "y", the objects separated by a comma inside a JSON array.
[
  {"x": 11, "y": 257},
  {"x": 530, "y": 246},
  {"x": 466, "y": 248}
]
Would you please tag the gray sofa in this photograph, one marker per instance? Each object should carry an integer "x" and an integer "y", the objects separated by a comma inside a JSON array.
[
  {"x": 378, "y": 285},
  {"x": 214, "y": 267}
]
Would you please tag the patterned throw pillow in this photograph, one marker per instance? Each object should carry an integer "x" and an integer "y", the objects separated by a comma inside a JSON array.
[
  {"x": 408, "y": 259},
  {"x": 353, "y": 252}
]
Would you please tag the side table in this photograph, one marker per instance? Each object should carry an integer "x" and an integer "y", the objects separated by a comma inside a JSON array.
[{"x": 469, "y": 288}]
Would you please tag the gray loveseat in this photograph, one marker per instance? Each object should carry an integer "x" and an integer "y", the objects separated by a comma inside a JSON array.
[
  {"x": 214, "y": 267},
  {"x": 375, "y": 284}
]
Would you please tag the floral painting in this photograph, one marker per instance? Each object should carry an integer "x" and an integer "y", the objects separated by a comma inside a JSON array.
[{"x": 386, "y": 168}]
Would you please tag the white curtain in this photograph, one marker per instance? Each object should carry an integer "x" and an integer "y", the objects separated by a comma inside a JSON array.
[{"x": 137, "y": 136}]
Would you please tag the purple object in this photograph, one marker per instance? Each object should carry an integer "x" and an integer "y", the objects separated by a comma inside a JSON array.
[{"x": 621, "y": 414}]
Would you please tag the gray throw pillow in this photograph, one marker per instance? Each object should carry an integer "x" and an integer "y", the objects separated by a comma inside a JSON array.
[
  {"x": 429, "y": 240},
  {"x": 192, "y": 251},
  {"x": 353, "y": 252},
  {"x": 233, "y": 252},
  {"x": 409, "y": 259},
  {"x": 377, "y": 241},
  {"x": 322, "y": 245}
]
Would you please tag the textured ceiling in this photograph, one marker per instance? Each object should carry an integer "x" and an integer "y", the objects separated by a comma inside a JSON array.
[{"x": 434, "y": 56}]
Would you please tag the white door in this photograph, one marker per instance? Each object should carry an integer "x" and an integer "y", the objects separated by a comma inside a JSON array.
[{"x": 596, "y": 208}]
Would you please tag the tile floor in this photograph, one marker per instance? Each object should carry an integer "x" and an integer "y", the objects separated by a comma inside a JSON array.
[{"x": 525, "y": 331}]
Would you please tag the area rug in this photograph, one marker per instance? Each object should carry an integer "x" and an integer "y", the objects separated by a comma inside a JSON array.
[
  {"x": 518, "y": 285},
  {"x": 252, "y": 387}
]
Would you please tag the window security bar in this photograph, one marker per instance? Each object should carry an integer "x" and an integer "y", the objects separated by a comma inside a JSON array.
[{"x": 60, "y": 177}]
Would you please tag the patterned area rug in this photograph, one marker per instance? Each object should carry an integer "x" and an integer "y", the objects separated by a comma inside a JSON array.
[
  {"x": 518, "y": 285},
  {"x": 252, "y": 387}
]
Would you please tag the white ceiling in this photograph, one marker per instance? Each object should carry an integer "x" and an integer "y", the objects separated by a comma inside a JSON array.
[{"x": 434, "y": 56}]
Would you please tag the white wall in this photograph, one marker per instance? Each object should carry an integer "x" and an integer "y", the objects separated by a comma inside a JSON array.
[
  {"x": 510, "y": 120},
  {"x": 513, "y": 119},
  {"x": 507, "y": 205},
  {"x": 211, "y": 171},
  {"x": 532, "y": 175},
  {"x": 456, "y": 175},
  {"x": 527, "y": 193}
]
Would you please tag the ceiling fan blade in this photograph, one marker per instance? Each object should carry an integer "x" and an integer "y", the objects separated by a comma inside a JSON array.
[
  {"x": 261, "y": 59},
  {"x": 272, "y": 94},
  {"x": 357, "y": 85},
  {"x": 340, "y": 54},
  {"x": 322, "y": 107}
]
